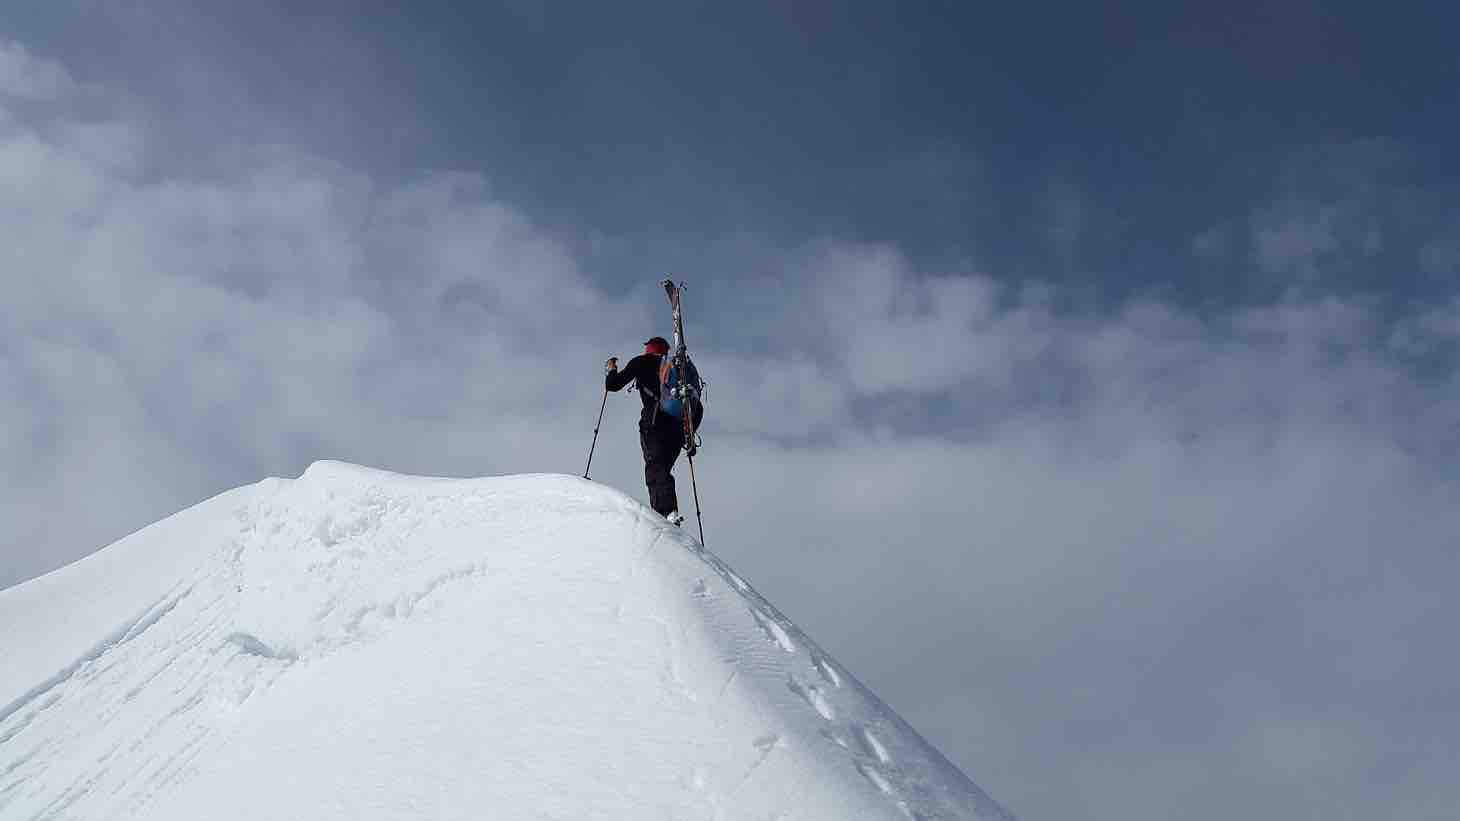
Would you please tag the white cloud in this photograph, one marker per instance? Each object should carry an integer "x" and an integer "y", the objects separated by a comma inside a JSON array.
[
  {"x": 27, "y": 77},
  {"x": 1295, "y": 237},
  {"x": 1429, "y": 329},
  {"x": 201, "y": 332}
]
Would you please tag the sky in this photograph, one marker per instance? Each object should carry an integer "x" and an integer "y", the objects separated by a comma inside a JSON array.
[{"x": 1117, "y": 344}]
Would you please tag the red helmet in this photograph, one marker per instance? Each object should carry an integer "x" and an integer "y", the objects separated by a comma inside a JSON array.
[{"x": 656, "y": 345}]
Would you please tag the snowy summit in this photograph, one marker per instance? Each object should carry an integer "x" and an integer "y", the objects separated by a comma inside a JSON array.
[{"x": 356, "y": 644}]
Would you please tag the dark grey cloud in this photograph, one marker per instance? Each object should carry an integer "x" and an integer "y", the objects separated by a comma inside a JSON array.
[{"x": 1140, "y": 553}]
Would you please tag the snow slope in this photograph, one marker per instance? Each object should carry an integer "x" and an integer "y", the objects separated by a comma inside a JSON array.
[{"x": 356, "y": 644}]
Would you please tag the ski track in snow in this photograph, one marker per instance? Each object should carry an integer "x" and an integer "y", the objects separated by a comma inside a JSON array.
[{"x": 309, "y": 569}]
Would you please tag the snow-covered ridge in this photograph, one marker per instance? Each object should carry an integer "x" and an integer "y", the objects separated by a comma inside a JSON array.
[{"x": 360, "y": 644}]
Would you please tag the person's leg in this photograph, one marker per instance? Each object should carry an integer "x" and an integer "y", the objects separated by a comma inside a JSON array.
[
  {"x": 671, "y": 440},
  {"x": 658, "y": 462}
]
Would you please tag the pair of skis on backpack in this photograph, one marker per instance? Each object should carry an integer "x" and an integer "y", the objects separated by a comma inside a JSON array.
[
  {"x": 688, "y": 389},
  {"x": 680, "y": 387}
]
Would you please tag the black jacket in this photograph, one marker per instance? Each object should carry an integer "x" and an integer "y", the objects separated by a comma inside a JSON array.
[{"x": 643, "y": 369}]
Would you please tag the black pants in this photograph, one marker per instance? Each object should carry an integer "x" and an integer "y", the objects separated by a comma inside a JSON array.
[{"x": 661, "y": 442}]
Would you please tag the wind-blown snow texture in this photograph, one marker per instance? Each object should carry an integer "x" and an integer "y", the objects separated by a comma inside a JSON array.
[{"x": 356, "y": 644}]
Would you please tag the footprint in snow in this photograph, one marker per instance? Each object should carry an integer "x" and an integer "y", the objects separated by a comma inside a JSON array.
[
  {"x": 872, "y": 744},
  {"x": 813, "y": 696},
  {"x": 827, "y": 671},
  {"x": 249, "y": 644},
  {"x": 774, "y": 631},
  {"x": 878, "y": 780}
]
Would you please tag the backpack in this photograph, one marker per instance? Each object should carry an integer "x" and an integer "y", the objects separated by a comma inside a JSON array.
[{"x": 677, "y": 390}]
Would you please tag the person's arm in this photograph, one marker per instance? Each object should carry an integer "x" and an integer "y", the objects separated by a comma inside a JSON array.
[{"x": 616, "y": 379}]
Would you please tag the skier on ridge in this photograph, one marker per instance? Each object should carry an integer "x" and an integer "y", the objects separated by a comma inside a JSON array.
[{"x": 661, "y": 433}]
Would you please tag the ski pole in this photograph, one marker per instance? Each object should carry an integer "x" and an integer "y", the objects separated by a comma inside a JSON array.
[
  {"x": 596, "y": 426},
  {"x": 696, "y": 487}
]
